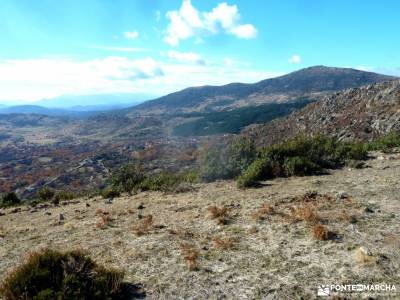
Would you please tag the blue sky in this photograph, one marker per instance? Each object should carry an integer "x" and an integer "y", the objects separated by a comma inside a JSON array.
[{"x": 51, "y": 48}]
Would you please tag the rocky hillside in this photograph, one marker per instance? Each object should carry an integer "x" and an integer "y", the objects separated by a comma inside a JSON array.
[
  {"x": 360, "y": 113},
  {"x": 308, "y": 83}
]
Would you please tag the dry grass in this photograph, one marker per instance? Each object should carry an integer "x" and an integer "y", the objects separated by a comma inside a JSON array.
[
  {"x": 265, "y": 210},
  {"x": 278, "y": 252},
  {"x": 105, "y": 219},
  {"x": 320, "y": 232},
  {"x": 307, "y": 213},
  {"x": 225, "y": 243},
  {"x": 144, "y": 226},
  {"x": 221, "y": 214},
  {"x": 191, "y": 255}
]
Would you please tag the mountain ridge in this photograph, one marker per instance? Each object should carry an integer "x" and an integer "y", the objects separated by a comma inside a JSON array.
[{"x": 307, "y": 82}]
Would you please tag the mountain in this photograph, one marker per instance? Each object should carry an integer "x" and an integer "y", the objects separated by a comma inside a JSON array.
[
  {"x": 39, "y": 110},
  {"x": 310, "y": 83},
  {"x": 356, "y": 113},
  {"x": 94, "y": 102}
]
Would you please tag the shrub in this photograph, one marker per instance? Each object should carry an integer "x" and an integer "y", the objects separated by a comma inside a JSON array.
[
  {"x": 63, "y": 196},
  {"x": 386, "y": 142},
  {"x": 260, "y": 169},
  {"x": 45, "y": 194},
  {"x": 133, "y": 178},
  {"x": 300, "y": 166},
  {"x": 128, "y": 177},
  {"x": 50, "y": 274},
  {"x": 166, "y": 181},
  {"x": 110, "y": 192},
  {"x": 10, "y": 199},
  {"x": 223, "y": 161},
  {"x": 300, "y": 156}
]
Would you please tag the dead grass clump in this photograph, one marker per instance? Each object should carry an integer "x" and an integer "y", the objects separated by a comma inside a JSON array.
[
  {"x": 308, "y": 197},
  {"x": 105, "y": 220},
  {"x": 224, "y": 243},
  {"x": 191, "y": 255},
  {"x": 306, "y": 213},
  {"x": 221, "y": 214},
  {"x": 182, "y": 233},
  {"x": 265, "y": 210},
  {"x": 346, "y": 217},
  {"x": 320, "y": 232},
  {"x": 144, "y": 226}
]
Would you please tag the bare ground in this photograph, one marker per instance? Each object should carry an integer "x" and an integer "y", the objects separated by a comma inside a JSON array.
[{"x": 265, "y": 249}]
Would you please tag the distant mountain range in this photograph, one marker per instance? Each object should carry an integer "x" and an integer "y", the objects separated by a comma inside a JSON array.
[
  {"x": 310, "y": 83},
  {"x": 77, "y": 105}
]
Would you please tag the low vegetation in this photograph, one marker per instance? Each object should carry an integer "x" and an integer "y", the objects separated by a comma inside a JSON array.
[
  {"x": 9, "y": 199},
  {"x": 50, "y": 274},
  {"x": 132, "y": 178},
  {"x": 299, "y": 156}
]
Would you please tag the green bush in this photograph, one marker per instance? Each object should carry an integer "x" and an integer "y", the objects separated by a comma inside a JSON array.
[
  {"x": 110, "y": 192},
  {"x": 10, "y": 199},
  {"x": 301, "y": 156},
  {"x": 133, "y": 178},
  {"x": 45, "y": 194},
  {"x": 299, "y": 166},
  {"x": 167, "y": 181},
  {"x": 128, "y": 177},
  {"x": 63, "y": 196},
  {"x": 386, "y": 142},
  {"x": 227, "y": 161},
  {"x": 49, "y": 274},
  {"x": 260, "y": 169}
]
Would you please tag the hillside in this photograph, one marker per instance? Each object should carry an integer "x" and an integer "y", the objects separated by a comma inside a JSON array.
[
  {"x": 307, "y": 83},
  {"x": 265, "y": 250},
  {"x": 357, "y": 113},
  {"x": 78, "y": 153}
]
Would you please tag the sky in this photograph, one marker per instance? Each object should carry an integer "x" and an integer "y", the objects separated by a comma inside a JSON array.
[{"x": 51, "y": 48}]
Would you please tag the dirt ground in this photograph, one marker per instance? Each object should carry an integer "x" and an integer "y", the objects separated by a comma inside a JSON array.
[{"x": 253, "y": 244}]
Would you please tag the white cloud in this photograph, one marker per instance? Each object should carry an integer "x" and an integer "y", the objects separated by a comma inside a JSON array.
[
  {"x": 120, "y": 49},
  {"x": 131, "y": 35},
  {"x": 186, "y": 57},
  {"x": 34, "y": 79},
  {"x": 188, "y": 22},
  {"x": 295, "y": 59}
]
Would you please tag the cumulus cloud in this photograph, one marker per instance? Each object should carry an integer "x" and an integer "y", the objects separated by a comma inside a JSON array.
[
  {"x": 188, "y": 22},
  {"x": 295, "y": 59},
  {"x": 131, "y": 35},
  {"x": 186, "y": 57}
]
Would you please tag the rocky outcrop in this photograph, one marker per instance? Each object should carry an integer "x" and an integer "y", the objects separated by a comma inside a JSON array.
[{"x": 357, "y": 113}]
